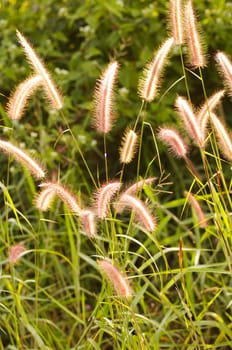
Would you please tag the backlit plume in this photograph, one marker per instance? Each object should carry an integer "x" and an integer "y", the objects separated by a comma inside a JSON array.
[
  {"x": 116, "y": 278},
  {"x": 225, "y": 67},
  {"x": 197, "y": 58},
  {"x": 176, "y": 20},
  {"x": 197, "y": 209},
  {"x": 39, "y": 67},
  {"x": 104, "y": 196},
  {"x": 150, "y": 81},
  {"x": 142, "y": 213},
  {"x": 88, "y": 222},
  {"x": 128, "y": 146},
  {"x": 208, "y": 107},
  {"x": 223, "y": 137},
  {"x": 186, "y": 113},
  {"x": 18, "y": 100},
  {"x": 104, "y": 98},
  {"x": 35, "y": 168},
  {"x": 174, "y": 141},
  {"x": 48, "y": 192}
]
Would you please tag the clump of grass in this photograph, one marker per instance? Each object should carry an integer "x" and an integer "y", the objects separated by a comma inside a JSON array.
[{"x": 176, "y": 291}]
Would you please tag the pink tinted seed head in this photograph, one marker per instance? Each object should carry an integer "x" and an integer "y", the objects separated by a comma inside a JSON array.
[
  {"x": 104, "y": 196},
  {"x": 116, "y": 278},
  {"x": 195, "y": 48},
  {"x": 51, "y": 90},
  {"x": 104, "y": 98},
  {"x": 189, "y": 119},
  {"x": 150, "y": 81},
  {"x": 176, "y": 21},
  {"x": 174, "y": 141}
]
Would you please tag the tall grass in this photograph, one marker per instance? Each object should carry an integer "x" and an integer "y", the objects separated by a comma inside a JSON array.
[{"x": 123, "y": 265}]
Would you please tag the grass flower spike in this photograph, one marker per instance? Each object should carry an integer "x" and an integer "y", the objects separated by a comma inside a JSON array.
[
  {"x": 191, "y": 124},
  {"x": 44, "y": 199},
  {"x": 176, "y": 21},
  {"x": 197, "y": 58},
  {"x": 140, "y": 209},
  {"x": 206, "y": 109},
  {"x": 149, "y": 83},
  {"x": 104, "y": 196},
  {"x": 225, "y": 67},
  {"x": 88, "y": 222},
  {"x": 138, "y": 186},
  {"x": 20, "y": 97},
  {"x": 104, "y": 96},
  {"x": 223, "y": 137},
  {"x": 118, "y": 281},
  {"x": 15, "y": 252},
  {"x": 197, "y": 209},
  {"x": 49, "y": 86},
  {"x": 174, "y": 141},
  {"x": 49, "y": 190},
  {"x": 128, "y": 146},
  {"x": 23, "y": 158}
]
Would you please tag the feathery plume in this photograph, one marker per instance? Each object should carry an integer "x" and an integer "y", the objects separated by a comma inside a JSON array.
[
  {"x": 206, "y": 109},
  {"x": 18, "y": 100},
  {"x": 138, "y": 186},
  {"x": 88, "y": 222},
  {"x": 103, "y": 98},
  {"x": 116, "y": 278},
  {"x": 15, "y": 252},
  {"x": 174, "y": 141},
  {"x": 128, "y": 146},
  {"x": 197, "y": 58},
  {"x": 223, "y": 137},
  {"x": 176, "y": 22},
  {"x": 104, "y": 196},
  {"x": 59, "y": 190},
  {"x": 23, "y": 158},
  {"x": 197, "y": 209},
  {"x": 44, "y": 199},
  {"x": 49, "y": 86},
  {"x": 150, "y": 81},
  {"x": 126, "y": 200},
  {"x": 225, "y": 68},
  {"x": 191, "y": 124}
]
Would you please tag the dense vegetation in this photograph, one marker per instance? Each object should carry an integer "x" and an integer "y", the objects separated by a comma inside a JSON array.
[{"x": 56, "y": 296}]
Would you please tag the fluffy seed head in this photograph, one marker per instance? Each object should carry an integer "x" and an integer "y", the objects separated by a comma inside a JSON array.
[
  {"x": 197, "y": 58},
  {"x": 39, "y": 67},
  {"x": 104, "y": 196},
  {"x": 104, "y": 98},
  {"x": 15, "y": 252},
  {"x": 223, "y": 137},
  {"x": 23, "y": 158},
  {"x": 116, "y": 278},
  {"x": 197, "y": 209},
  {"x": 225, "y": 67},
  {"x": 44, "y": 199},
  {"x": 128, "y": 146},
  {"x": 138, "y": 186},
  {"x": 88, "y": 222},
  {"x": 150, "y": 81},
  {"x": 174, "y": 141},
  {"x": 176, "y": 21},
  {"x": 206, "y": 109},
  {"x": 185, "y": 111},
  {"x": 140, "y": 209},
  {"x": 18, "y": 100},
  {"x": 59, "y": 190}
]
